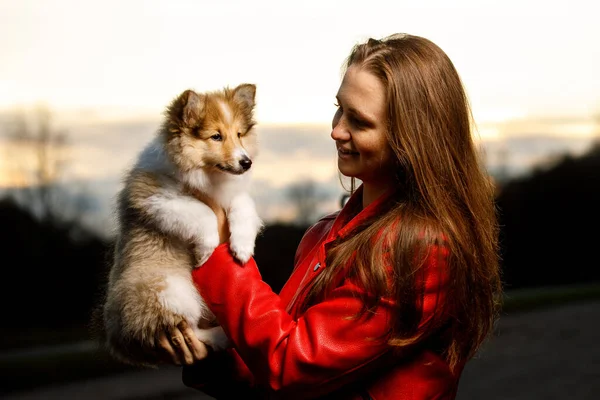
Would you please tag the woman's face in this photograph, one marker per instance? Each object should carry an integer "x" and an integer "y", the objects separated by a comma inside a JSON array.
[{"x": 359, "y": 128}]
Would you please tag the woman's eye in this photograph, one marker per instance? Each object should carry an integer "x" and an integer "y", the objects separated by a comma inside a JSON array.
[
  {"x": 217, "y": 137},
  {"x": 357, "y": 123}
]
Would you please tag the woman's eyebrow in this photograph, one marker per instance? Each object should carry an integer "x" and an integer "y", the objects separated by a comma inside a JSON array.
[
  {"x": 367, "y": 120},
  {"x": 359, "y": 114}
]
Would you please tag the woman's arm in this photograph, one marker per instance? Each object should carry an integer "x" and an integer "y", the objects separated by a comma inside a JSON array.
[{"x": 321, "y": 349}]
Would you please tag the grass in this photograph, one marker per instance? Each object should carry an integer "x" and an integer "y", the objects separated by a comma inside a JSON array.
[{"x": 83, "y": 360}]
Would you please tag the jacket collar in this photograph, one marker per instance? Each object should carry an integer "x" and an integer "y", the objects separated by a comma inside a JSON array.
[
  {"x": 348, "y": 218},
  {"x": 351, "y": 216}
]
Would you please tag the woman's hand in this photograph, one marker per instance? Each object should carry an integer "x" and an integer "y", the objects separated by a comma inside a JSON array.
[
  {"x": 180, "y": 346},
  {"x": 222, "y": 224}
]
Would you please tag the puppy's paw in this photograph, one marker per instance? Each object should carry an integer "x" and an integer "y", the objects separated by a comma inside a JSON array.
[{"x": 242, "y": 250}]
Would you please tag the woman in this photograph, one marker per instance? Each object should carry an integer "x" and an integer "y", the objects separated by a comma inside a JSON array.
[{"x": 391, "y": 296}]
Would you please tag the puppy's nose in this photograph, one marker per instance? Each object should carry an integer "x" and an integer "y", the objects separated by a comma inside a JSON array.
[{"x": 245, "y": 163}]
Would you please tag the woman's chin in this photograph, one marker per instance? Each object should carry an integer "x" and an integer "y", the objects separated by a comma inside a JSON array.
[{"x": 346, "y": 170}]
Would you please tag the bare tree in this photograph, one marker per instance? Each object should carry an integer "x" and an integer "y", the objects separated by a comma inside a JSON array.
[{"x": 37, "y": 155}]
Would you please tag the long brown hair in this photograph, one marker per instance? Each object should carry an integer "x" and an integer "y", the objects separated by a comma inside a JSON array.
[{"x": 445, "y": 201}]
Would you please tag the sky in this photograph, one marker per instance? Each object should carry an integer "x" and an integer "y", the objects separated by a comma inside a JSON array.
[
  {"x": 129, "y": 58},
  {"x": 107, "y": 69}
]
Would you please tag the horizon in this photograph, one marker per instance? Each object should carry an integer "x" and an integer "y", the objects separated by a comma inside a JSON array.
[{"x": 100, "y": 153}]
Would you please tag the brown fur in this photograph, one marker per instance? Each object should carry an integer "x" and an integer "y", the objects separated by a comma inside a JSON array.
[{"x": 145, "y": 256}]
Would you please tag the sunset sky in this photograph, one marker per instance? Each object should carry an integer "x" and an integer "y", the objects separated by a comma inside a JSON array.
[
  {"x": 116, "y": 58},
  {"x": 107, "y": 69}
]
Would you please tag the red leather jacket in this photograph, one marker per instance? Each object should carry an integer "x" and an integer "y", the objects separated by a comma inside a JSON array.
[{"x": 280, "y": 352}]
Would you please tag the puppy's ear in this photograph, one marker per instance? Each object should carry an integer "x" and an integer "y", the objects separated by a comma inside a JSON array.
[
  {"x": 244, "y": 94},
  {"x": 193, "y": 111}
]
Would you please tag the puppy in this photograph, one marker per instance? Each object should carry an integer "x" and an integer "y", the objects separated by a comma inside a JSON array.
[{"x": 201, "y": 156}]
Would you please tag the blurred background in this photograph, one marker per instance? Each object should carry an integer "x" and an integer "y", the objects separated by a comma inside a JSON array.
[{"x": 83, "y": 85}]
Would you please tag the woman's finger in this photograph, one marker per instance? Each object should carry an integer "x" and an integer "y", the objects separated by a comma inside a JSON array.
[
  {"x": 198, "y": 349},
  {"x": 181, "y": 347},
  {"x": 165, "y": 347}
]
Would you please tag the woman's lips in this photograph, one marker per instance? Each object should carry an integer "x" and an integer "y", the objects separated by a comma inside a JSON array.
[{"x": 342, "y": 152}]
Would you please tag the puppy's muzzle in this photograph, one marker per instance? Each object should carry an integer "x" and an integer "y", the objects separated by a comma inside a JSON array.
[{"x": 245, "y": 163}]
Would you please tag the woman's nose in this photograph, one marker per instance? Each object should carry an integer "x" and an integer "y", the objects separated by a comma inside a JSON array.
[{"x": 339, "y": 131}]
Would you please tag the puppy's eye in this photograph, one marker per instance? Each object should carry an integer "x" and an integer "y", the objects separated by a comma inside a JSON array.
[
  {"x": 217, "y": 137},
  {"x": 239, "y": 134}
]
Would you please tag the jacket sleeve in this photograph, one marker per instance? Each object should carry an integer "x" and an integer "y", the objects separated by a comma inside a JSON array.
[{"x": 321, "y": 349}]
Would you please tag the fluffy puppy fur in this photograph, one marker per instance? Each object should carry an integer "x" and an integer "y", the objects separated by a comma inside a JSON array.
[{"x": 201, "y": 154}]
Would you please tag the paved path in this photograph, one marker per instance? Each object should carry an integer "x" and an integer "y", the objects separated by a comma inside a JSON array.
[{"x": 549, "y": 354}]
